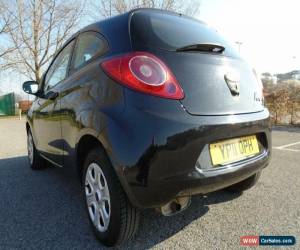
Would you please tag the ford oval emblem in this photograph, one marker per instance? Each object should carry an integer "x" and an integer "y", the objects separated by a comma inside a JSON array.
[{"x": 233, "y": 82}]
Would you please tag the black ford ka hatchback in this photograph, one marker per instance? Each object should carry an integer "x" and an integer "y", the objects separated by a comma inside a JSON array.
[{"x": 149, "y": 107}]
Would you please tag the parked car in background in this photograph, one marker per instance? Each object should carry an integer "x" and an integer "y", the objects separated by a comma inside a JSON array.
[{"x": 150, "y": 107}]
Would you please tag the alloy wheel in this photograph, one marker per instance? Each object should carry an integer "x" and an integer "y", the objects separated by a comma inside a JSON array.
[{"x": 97, "y": 197}]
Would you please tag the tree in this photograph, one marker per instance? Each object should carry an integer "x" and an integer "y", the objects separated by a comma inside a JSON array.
[
  {"x": 283, "y": 101},
  {"x": 108, "y": 8},
  {"x": 3, "y": 26},
  {"x": 294, "y": 100},
  {"x": 38, "y": 30},
  {"x": 3, "y": 23},
  {"x": 266, "y": 74}
]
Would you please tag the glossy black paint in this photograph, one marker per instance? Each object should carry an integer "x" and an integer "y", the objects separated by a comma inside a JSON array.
[
  {"x": 155, "y": 145},
  {"x": 200, "y": 74}
]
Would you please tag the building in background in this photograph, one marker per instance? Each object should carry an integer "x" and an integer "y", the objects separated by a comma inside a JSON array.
[
  {"x": 267, "y": 77},
  {"x": 7, "y": 104},
  {"x": 24, "y": 105},
  {"x": 292, "y": 75},
  {"x": 296, "y": 74},
  {"x": 12, "y": 104}
]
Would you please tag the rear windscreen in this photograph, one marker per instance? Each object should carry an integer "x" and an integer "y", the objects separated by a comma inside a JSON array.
[{"x": 170, "y": 32}]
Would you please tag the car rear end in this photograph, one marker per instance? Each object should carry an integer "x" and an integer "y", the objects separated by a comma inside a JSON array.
[{"x": 194, "y": 119}]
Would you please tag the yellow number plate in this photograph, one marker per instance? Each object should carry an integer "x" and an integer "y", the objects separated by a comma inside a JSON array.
[{"x": 233, "y": 150}]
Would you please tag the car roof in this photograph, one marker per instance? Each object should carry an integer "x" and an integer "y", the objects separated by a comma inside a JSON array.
[
  {"x": 108, "y": 25},
  {"x": 116, "y": 28}
]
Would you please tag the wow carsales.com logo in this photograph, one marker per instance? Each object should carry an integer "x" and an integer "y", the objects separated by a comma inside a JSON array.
[{"x": 251, "y": 240}]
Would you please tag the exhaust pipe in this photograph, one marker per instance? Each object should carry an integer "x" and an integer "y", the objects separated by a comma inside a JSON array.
[{"x": 175, "y": 206}]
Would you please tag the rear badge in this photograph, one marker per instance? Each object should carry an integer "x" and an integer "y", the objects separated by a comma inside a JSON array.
[{"x": 232, "y": 79}]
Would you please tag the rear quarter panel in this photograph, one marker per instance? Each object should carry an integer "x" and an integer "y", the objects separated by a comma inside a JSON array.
[{"x": 88, "y": 102}]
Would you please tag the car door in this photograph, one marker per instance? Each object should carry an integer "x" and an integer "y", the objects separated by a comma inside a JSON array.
[
  {"x": 47, "y": 114},
  {"x": 82, "y": 92}
]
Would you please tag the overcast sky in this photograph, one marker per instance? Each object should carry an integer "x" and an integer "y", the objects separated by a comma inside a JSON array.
[{"x": 268, "y": 30}]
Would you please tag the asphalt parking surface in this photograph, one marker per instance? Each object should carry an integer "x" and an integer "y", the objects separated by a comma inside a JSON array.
[{"x": 45, "y": 209}]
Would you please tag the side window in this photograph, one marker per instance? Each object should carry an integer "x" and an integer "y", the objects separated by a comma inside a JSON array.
[
  {"x": 58, "y": 70},
  {"x": 89, "y": 45}
]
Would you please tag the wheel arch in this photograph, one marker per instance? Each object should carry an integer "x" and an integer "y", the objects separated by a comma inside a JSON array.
[{"x": 85, "y": 144}]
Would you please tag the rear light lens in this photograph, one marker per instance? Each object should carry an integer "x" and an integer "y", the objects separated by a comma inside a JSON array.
[{"x": 144, "y": 72}]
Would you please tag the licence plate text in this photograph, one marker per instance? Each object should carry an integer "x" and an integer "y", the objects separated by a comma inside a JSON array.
[{"x": 233, "y": 150}]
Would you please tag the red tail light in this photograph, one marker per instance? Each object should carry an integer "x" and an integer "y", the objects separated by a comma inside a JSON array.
[{"x": 144, "y": 72}]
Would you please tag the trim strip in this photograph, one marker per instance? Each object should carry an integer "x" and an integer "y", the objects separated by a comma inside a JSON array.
[{"x": 54, "y": 163}]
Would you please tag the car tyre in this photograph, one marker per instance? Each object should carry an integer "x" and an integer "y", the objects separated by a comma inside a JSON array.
[
  {"x": 245, "y": 184},
  {"x": 113, "y": 218},
  {"x": 35, "y": 160}
]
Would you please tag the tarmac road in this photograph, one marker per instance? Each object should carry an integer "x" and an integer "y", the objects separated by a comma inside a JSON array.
[{"x": 45, "y": 209}]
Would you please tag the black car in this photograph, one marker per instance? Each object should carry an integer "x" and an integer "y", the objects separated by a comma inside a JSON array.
[{"x": 149, "y": 107}]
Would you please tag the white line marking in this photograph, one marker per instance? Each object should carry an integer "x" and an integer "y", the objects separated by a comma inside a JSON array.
[
  {"x": 286, "y": 149},
  {"x": 10, "y": 157},
  {"x": 288, "y": 145}
]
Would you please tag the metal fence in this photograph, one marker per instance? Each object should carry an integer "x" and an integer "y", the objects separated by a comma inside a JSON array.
[{"x": 7, "y": 104}]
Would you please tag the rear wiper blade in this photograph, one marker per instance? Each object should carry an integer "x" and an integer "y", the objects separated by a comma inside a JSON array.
[{"x": 205, "y": 47}]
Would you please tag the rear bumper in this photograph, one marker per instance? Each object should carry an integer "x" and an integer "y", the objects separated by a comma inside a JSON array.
[
  {"x": 212, "y": 180},
  {"x": 159, "y": 192},
  {"x": 159, "y": 153}
]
